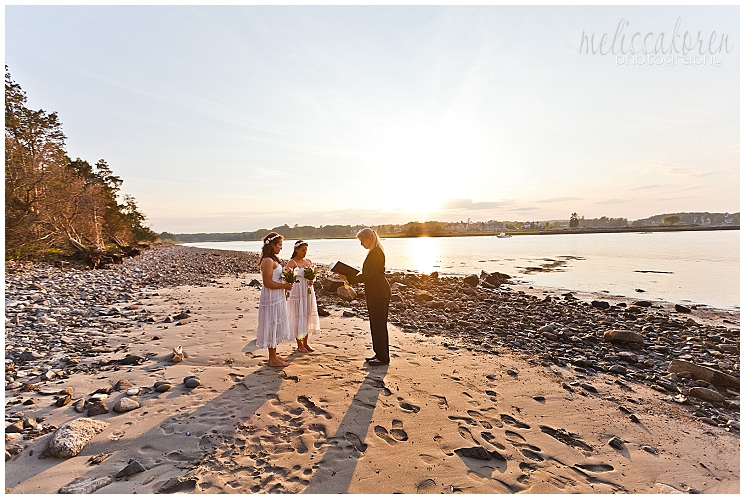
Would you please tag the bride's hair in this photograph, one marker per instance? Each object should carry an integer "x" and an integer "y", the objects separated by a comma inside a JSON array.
[
  {"x": 267, "y": 250},
  {"x": 368, "y": 233},
  {"x": 296, "y": 246}
]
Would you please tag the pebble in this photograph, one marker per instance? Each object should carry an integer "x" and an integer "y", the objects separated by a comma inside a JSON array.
[
  {"x": 64, "y": 400},
  {"x": 97, "y": 407},
  {"x": 131, "y": 469},
  {"x": 162, "y": 386},
  {"x": 192, "y": 382},
  {"x": 16, "y": 427},
  {"x": 647, "y": 448},
  {"x": 618, "y": 369},
  {"x": 553, "y": 331},
  {"x": 616, "y": 443},
  {"x": 133, "y": 391},
  {"x": 122, "y": 384},
  {"x": 125, "y": 405}
]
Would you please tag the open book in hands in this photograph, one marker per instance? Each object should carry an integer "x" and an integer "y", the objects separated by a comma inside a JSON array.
[{"x": 343, "y": 269}]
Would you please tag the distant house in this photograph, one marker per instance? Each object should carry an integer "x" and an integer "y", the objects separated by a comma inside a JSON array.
[
  {"x": 456, "y": 227},
  {"x": 397, "y": 229}
]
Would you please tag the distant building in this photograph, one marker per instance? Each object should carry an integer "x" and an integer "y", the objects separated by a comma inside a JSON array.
[{"x": 397, "y": 229}]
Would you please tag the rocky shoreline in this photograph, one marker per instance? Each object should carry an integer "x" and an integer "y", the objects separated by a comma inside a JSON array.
[{"x": 63, "y": 322}]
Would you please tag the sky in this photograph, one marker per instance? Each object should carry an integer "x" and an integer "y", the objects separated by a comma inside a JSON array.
[{"x": 235, "y": 118}]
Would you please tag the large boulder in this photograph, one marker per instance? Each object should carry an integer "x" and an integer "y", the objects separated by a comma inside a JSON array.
[
  {"x": 471, "y": 280},
  {"x": 623, "y": 336},
  {"x": 496, "y": 278},
  {"x": 71, "y": 437},
  {"x": 707, "y": 374},
  {"x": 331, "y": 285},
  {"x": 706, "y": 394},
  {"x": 346, "y": 293},
  {"x": 85, "y": 485}
]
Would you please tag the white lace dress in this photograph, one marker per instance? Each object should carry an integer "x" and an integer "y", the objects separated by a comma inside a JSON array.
[
  {"x": 273, "y": 325},
  {"x": 302, "y": 309}
]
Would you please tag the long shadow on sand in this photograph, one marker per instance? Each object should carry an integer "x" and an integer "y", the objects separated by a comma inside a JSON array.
[
  {"x": 176, "y": 443},
  {"x": 334, "y": 475}
]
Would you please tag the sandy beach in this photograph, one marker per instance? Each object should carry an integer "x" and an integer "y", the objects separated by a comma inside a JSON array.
[{"x": 441, "y": 418}]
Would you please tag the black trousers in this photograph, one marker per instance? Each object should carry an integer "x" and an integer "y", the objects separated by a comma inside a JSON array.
[{"x": 377, "y": 309}]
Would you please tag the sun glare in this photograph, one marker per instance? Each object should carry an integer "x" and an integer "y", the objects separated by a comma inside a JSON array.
[{"x": 424, "y": 166}]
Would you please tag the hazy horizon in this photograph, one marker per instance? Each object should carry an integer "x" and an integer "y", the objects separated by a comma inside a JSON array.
[{"x": 220, "y": 119}]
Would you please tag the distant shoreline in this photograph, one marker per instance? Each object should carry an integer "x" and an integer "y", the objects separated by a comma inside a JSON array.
[{"x": 522, "y": 232}]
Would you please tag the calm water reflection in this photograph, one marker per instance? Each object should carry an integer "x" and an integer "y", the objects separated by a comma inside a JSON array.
[{"x": 697, "y": 267}]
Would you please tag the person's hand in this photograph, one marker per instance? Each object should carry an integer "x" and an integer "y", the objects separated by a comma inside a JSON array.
[{"x": 287, "y": 286}]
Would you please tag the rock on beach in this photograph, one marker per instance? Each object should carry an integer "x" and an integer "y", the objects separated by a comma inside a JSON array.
[{"x": 71, "y": 437}]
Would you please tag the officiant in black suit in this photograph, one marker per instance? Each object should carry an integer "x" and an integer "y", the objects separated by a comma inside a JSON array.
[{"x": 377, "y": 293}]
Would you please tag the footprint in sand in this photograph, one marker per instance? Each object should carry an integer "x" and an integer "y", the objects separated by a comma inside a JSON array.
[
  {"x": 528, "y": 467},
  {"x": 429, "y": 459},
  {"x": 398, "y": 430},
  {"x": 299, "y": 445},
  {"x": 532, "y": 455},
  {"x": 490, "y": 438},
  {"x": 407, "y": 407},
  {"x": 382, "y": 433},
  {"x": 565, "y": 437},
  {"x": 595, "y": 467},
  {"x": 514, "y": 422},
  {"x": 378, "y": 383},
  {"x": 312, "y": 407},
  {"x": 427, "y": 486},
  {"x": 466, "y": 420},
  {"x": 117, "y": 435},
  {"x": 355, "y": 441},
  {"x": 284, "y": 375},
  {"x": 466, "y": 434},
  {"x": 512, "y": 434},
  {"x": 442, "y": 402}
]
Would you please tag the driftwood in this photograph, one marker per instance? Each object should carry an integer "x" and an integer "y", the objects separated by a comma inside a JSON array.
[{"x": 98, "y": 257}]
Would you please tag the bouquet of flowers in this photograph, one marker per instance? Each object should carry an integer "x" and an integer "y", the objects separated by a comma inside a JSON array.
[
  {"x": 289, "y": 275},
  {"x": 310, "y": 273}
]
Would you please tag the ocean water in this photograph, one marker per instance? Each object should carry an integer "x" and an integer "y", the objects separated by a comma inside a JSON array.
[{"x": 683, "y": 267}]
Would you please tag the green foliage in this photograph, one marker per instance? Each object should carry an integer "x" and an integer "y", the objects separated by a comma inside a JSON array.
[
  {"x": 51, "y": 202},
  {"x": 574, "y": 220}
]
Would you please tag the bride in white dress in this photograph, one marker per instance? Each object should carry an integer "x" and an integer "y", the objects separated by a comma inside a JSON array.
[
  {"x": 302, "y": 308},
  {"x": 273, "y": 325}
]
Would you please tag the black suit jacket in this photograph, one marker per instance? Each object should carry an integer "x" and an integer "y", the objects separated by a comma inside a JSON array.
[{"x": 373, "y": 275}]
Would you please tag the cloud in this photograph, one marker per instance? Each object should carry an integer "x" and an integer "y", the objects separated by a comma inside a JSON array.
[
  {"x": 643, "y": 187},
  {"x": 613, "y": 201},
  {"x": 522, "y": 208},
  {"x": 558, "y": 200},
  {"x": 467, "y": 204}
]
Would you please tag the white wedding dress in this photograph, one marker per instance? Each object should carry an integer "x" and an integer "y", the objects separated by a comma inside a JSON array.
[
  {"x": 302, "y": 309},
  {"x": 273, "y": 324}
]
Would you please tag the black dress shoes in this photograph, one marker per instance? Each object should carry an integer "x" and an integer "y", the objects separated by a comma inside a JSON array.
[{"x": 376, "y": 362}]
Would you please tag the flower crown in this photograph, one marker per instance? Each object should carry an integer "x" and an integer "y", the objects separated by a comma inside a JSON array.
[
  {"x": 299, "y": 243},
  {"x": 275, "y": 236}
]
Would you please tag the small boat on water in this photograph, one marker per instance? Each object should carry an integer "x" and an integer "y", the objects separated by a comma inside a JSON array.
[{"x": 502, "y": 235}]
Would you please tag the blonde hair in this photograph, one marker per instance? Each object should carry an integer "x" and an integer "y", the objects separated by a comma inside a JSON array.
[{"x": 368, "y": 233}]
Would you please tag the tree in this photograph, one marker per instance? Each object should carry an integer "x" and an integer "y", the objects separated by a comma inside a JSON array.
[
  {"x": 671, "y": 220},
  {"x": 574, "y": 220},
  {"x": 52, "y": 202}
]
